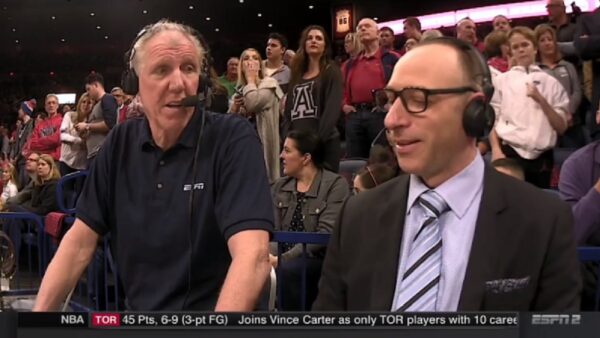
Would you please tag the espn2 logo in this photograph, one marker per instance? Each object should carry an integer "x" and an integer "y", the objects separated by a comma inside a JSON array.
[{"x": 556, "y": 319}]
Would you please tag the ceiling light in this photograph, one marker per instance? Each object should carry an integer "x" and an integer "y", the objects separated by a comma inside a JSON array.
[
  {"x": 311, "y": 7},
  {"x": 63, "y": 40},
  {"x": 16, "y": 41},
  {"x": 106, "y": 37},
  {"x": 51, "y": 73},
  {"x": 216, "y": 29},
  {"x": 98, "y": 27},
  {"x": 14, "y": 30},
  {"x": 375, "y": 18},
  {"x": 270, "y": 25},
  {"x": 259, "y": 15},
  {"x": 208, "y": 18},
  {"x": 241, "y": 1},
  {"x": 145, "y": 11},
  {"x": 53, "y": 17},
  {"x": 92, "y": 14},
  {"x": 191, "y": 7}
]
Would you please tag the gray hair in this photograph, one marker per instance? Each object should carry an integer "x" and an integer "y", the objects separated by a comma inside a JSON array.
[
  {"x": 148, "y": 32},
  {"x": 431, "y": 34},
  {"x": 52, "y": 95}
]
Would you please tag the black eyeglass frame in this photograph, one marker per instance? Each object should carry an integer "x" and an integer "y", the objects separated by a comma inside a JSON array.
[{"x": 426, "y": 93}]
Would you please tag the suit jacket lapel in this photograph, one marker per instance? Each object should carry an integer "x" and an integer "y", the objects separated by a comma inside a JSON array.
[
  {"x": 390, "y": 226},
  {"x": 485, "y": 248}
]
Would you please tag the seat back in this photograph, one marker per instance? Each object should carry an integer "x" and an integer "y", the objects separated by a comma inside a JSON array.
[{"x": 349, "y": 167}]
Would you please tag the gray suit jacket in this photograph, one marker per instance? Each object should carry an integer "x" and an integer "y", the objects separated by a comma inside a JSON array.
[{"x": 523, "y": 255}]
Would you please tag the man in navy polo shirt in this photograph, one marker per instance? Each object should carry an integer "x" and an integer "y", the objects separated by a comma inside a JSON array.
[{"x": 173, "y": 253}]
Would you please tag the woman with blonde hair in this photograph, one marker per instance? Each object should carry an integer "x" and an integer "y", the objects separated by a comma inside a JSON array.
[
  {"x": 9, "y": 180},
  {"x": 40, "y": 199},
  {"x": 73, "y": 152},
  {"x": 258, "y": 97}
]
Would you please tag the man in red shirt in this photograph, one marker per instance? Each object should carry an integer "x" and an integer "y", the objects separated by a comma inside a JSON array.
[
  {"x": 368, "y": 71},
  {"x": 45, "y": 138}
]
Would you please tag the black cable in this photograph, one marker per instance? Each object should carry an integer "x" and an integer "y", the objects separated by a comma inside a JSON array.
[{"x": 191, "y": 204}]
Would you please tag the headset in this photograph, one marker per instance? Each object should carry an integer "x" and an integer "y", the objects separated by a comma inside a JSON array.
[
  {"x": 130, "y": 80},
  {"x": 130, "y": 84},
  {"x": 478, "y": 116}
]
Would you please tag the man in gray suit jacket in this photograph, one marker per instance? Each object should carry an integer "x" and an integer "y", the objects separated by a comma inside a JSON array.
[{"x": 454, "y": 235}]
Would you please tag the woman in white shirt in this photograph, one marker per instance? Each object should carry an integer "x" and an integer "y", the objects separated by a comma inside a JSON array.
[
  {"x": 73, "y": 153},
  {"x": 531, "y": 110},
  {"x": 9, "y": 180}
]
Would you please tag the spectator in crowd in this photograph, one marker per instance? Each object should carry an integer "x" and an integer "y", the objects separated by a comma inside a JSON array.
[
  {"x": 217, "y": 99},
  {"x": 412, "y": 28},
  {"x": 274, "y": 66},
  {"x": 315, "y": 93},
  {"x": 559, "y": 20},
  {"x": 73, "y": 154},
  {"x": 551, "y": 61},
  {"x": 39, "y": 198},
  {"x": 288, "y": 57},
  {"x": 4, "y": 138},
  {"x": 307, "y": 199},
  {"x": 431, "y": 34},
  {"x": 410, "y": 44},
  {"x": 352, "y": 45},
  {"x": 65, "y": 108},
  {"x": 10, "y": 184},
  {"x": 501, "y": 23},
  {"x": 393, "y": 245},
  {"x": 204, "y": 168},
  {"x": 230, "y": 78},
  {"x": 386, "y": 38},
  {"x": 371, "y": 176},
  {"x": 260, "y": 98},
  {"x": 531, "y": 110},
  {"x": 135, "y": 109},
  {"x": 30, "y": 170},
  {"x": 497, "y": 51},
  {"x": 368, "y": 71},
  {"x": 510, "y": 167},
  {"x": 45, "y": 138},
  {"x": 466, "y": 30},
  {"x": 119, "y": 95},
  {"x": 587, "y": 44},
  {"x": 102, "y": 118},
  {"x": 579, "y": 185}
]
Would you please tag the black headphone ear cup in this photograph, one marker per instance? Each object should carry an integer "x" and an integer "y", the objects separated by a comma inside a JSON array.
[
  {"x": 130, "y": 82},
  {"x": 475, "y": 120}
]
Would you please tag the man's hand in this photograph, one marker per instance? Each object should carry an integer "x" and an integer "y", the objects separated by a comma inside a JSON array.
[
  {"x": 347, "y": 109},
  {"x": 533, "y": 92},
  {"x": 81, "y": 127}
]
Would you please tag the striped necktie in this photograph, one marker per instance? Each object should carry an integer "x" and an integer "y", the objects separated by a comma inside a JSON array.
[{"x": 420, "y": 282}]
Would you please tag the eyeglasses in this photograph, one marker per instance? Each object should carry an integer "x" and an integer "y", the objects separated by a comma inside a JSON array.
[{"x": 415, "y": 100}]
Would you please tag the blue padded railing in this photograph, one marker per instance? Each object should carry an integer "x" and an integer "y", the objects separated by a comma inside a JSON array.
[
  {"x": 303, "y": 238},
  {"x": 587, "y": 255},
  {"x": 66, "y": 204}
]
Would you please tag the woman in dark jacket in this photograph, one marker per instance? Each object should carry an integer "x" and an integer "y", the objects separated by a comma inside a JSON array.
[
  {"x": 315, "y": 93},
  {"x": 307, "y": 199},
  {"x": 39, "y": 197}
]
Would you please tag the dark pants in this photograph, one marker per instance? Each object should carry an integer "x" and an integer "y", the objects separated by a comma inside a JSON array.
[
  {"x": 332, "y": 153},
  {"x": 537, "y": 172},
  {"x": 362, "y": 128},
  {"x": 65, "y": 169}
]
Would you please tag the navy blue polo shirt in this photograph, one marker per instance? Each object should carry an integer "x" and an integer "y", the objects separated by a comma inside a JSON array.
[{"x": 140, "y": 195}]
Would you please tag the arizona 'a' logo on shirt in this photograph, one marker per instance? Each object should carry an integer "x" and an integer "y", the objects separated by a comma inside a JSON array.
[{"x": 304, "y": 104}]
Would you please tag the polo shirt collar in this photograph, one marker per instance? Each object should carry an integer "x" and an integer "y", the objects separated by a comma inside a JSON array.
[
  {"x": 188, "y": 137},
  {"x": 377, "y": 54}
]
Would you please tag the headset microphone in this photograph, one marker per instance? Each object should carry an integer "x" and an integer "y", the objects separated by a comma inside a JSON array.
[{"x": 190, "y": 101}]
